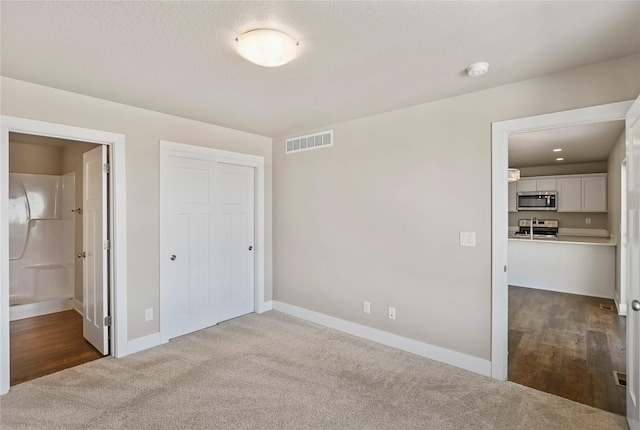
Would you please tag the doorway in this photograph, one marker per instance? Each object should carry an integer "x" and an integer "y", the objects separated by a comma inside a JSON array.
[
  {"x": 500, "y": 224},
  {"x": 47, "y": 184},
  {"x": 116, "y": 224}
]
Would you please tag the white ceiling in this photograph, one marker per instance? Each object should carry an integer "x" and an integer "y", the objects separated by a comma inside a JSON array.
[
  {"x": 357, "y": 58},
  {"x": 580, "y": 144}
]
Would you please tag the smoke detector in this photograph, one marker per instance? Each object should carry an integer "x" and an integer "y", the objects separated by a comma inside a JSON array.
[{"x": 477, "y": 69}]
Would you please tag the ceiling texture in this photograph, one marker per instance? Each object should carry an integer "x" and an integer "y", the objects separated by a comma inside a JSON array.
[{"x": 356, "y": 58}]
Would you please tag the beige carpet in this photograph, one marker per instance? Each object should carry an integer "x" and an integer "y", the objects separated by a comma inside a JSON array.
[{"x": 272, "y": 371}]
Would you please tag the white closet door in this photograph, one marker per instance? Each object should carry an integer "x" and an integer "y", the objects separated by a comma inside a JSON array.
[
  {"x": 234, "y": 249},
  {"x": 208, "y": 230}
]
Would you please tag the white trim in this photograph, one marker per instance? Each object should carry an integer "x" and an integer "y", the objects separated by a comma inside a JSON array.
[
  {"x": 499, "y": 223},
  {"x": 266, "y": 306},
  {"x": 119, "y": 250},
  {"x": 203, "y": 153},
  {"x": 621, "y": 307},
  {"x": 453, "y": 358},
  {"x": 145, "y": 342},
  {"x": 41, "y": 308},
  {"x": 77, "y": 306}
]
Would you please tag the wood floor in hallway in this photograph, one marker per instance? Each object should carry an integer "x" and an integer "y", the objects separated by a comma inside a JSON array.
[
  {"x": 47, "y": 344},
  {"x": 565, "y": 344}
]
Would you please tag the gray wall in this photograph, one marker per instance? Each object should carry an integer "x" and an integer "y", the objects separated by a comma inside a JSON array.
[
  {"x": 565, "y": 219},
  {"x": 36, "y": 159},
  {"x": 377, "y": 217},
  {"x": 143, "y": 130},
  {"x": 613, "y": 193}
]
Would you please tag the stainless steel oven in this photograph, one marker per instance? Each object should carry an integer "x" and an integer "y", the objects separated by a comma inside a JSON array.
[{"x": 538, "y": 201}]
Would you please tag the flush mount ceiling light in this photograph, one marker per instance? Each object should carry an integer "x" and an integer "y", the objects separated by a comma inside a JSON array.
[
  {"x": 557, "y": 150},
  {"x": 268, "y": 48},
  {"x": 477, "y": 69},
  {"x": 513, "y": 175},
  {"x": 559, "y": 159}
]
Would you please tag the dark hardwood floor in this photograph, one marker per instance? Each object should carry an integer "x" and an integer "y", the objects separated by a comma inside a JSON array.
[
  {"x": 565, "y": 344},
  {"x": 47, "y": 344}
]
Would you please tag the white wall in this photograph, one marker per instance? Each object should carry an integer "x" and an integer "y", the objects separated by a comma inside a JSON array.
[
  {"x": 143, "y": 130},
  {"x": 377, "y": 217},
  {"x": 618, "y": 153}
]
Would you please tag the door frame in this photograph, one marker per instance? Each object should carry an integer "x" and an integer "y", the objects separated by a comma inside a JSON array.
[
  {"x": 168, "y": 149},
  {"x": 500, "y": 132},
  {"x": 117, "y": 226},
  {"x": 622, "y": 264}
]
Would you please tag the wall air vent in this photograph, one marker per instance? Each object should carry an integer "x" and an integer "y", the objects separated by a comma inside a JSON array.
[{"x": 310, "y": 141}]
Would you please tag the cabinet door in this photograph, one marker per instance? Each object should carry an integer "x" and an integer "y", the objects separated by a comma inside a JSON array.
[
  {"x": 527, "y": 185},
  {"x": 570, "y": 195},
  {"x": 594, "y": 194},
  {"x": 546, "y": 185},
  {"x": 513, "y": 197}
]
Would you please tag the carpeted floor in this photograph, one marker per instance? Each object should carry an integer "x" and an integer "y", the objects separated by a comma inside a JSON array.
[{"x": 272, "y": 371}]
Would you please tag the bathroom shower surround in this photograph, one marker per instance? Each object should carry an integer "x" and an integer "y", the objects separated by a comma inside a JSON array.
[{"x": 41, "y": 244}]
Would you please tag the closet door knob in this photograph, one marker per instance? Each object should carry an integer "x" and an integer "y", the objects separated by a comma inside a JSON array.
[
  {"x": 173, "y": 257},
  {"x": 82, "y": 254}
]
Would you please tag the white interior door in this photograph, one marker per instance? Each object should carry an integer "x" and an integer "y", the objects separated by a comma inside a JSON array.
[
  {"x": 208, "y": 230},
  {"x": 633, "y": 265},
  {"x": 95, "y": 249},
  {"x": 234, "y": 249}
]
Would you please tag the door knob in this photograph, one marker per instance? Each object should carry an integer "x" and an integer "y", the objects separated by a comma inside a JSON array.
[
  {"x": 173, "y": 257},
  {"x": 250, "y": 247},
  {"x": 82, "y": 254},
  {"x": 635, "y": 305}
]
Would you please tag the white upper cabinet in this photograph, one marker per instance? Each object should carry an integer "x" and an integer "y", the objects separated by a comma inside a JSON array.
[
  {"x": 527, "y": 185},
  {"x": 576, "y": 193},
  {"x": 542, "y": 184},
  {"x": 546, "y": 184},
  {"x": 570, "y": 195},
  {"x": 594, "y": 194}
]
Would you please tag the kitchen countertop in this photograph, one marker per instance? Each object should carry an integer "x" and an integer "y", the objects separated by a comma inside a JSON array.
[{"x": 587, "y": 240}]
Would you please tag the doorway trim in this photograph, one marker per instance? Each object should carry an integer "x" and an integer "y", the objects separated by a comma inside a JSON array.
[
  {"x": 118, "y": 270},
  {"x": 621, "y": 302},
  {"x": 500, "y": 132},
  {"x": 167, "y": 149}
]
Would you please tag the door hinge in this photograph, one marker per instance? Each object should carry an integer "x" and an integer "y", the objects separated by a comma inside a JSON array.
[
  {"x": 106, "y": 168},
  {"x": 107, "y": 321},
  {"x": 106, "y": 245},
  {"x": 505, "y": 269}
]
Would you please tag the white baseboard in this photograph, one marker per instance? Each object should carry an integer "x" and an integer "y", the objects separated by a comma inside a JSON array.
[
  {"x": 78, "y": 306},
  {"x": 264, "y": 307},
  {"x": 145, "y": 342},
  {"x": 622, "y": 308},
  {"x": 457, "y": 359}
]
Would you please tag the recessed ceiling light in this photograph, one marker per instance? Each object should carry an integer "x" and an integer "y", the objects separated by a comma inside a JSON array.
[
  {"x": 268, "y": 48},
  {"x": 557, "y": 150},
  {"x": 477, "y": 69},
  {"x": 559, "y": 159}
]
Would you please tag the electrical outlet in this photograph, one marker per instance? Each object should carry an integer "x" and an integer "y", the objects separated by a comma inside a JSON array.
[
  {"x": 588, "y": 221},
  {"x": 148, "y": 314},
  {"x": 392, "y": 313},
  {"x": 366, "y": 308}
]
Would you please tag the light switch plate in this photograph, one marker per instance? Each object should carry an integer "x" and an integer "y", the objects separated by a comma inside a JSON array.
[{"x": 467, "y": 238}]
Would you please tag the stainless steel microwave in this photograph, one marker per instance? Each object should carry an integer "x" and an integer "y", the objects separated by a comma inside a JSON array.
[{"x": 538, "y": 201}]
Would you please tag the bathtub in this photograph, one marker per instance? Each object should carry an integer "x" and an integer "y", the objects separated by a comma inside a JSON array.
[{"x": 41, "y": 244}]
